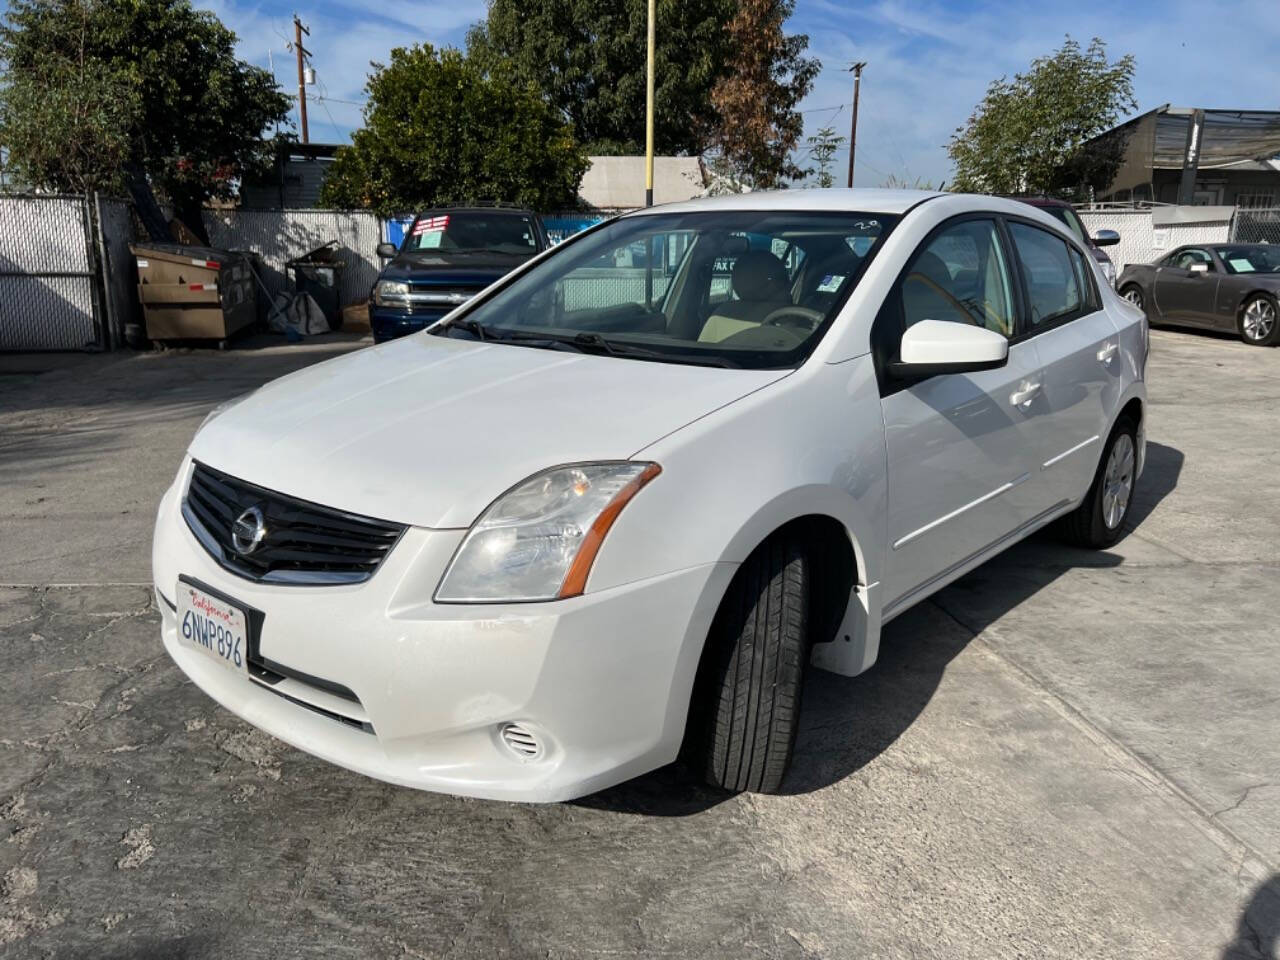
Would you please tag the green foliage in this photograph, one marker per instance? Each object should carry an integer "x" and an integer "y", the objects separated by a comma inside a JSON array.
[
  {"x": 440, "y": 128},
  {"x": 96, "y": 86},
  {"x": 822, "y": 151},
  {"x": 588, "y": 59},
  {"x": 758, "y": 125},
  {"x": 1027, "y": 133}
]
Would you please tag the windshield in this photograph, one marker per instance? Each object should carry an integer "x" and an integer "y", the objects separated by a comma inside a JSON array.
[
  {"x": 1254, "y": 258},
  {"x": 1068, "y": 216},
  {"x": 463, "y": 231},
  {"x": 731, "y": 288}
]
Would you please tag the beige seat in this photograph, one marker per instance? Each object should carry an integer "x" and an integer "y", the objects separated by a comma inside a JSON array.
[{"x": 760, "y": 283}]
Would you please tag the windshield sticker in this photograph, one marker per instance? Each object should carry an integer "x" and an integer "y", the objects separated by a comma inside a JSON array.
[
  {"x": 431, "y": 225},
  {"x": 830, "y": 283},
  {"x": 1241, "y": 266}
]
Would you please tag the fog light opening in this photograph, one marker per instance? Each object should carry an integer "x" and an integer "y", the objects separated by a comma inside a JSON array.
[{"x": 521, "y": 741}]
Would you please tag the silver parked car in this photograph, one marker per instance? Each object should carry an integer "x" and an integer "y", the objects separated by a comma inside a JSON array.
[{"x": 1217, "y": 286}]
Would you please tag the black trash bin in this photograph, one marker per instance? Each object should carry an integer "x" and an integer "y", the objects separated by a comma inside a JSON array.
[{"x": 317, "y": 273}]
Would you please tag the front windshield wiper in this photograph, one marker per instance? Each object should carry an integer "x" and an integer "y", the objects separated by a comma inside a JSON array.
[
  {"x": 618, "y": 349},
  {"x": 478, "y": 330}
]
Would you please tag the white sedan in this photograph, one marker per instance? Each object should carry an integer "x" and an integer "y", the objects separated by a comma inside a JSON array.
[{"x": 615, "y": 507}]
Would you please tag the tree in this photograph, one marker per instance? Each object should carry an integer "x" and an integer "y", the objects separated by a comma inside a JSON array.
[
  {"x": 588, "y": 59},
  {"x": 107, "y": 94},
  {"x": 822, "y": 150},
  {"x": 758, "y": 123},
  {"x": 439, "y": 127},
  {"x": 1027, "y": 134}
]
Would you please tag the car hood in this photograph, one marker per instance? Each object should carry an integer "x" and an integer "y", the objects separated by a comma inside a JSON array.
[
  {"x": 429, "y": 430},
  {"x": 477, "y": 269}
]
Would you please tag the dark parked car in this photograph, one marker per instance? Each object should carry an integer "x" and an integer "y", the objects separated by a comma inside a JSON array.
[
  {"x": 449, "y": 254},
  {"x": 1065, "y": 212},
  {"x": 1219, "y": 286}
]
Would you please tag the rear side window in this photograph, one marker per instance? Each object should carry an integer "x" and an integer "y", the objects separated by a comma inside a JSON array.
[
  {"x": 1053, "y": 288},
  {"x": 1083, "y": 267}
]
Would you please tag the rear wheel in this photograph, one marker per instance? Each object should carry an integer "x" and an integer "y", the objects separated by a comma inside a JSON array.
[
  {"x": 1099, "y": 520},
  {"x": 747, "y": 697},
  {"x": 1259, "y": 326}
]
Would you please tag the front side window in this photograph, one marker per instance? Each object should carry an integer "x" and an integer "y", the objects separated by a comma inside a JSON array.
[
  {"x": 467, "y": 231},
  {"x": 1191, "y": 256},
  {"x": 731, "y": 288},
  {"x": 1053, "y": 289},
  {"x": 961, "y": 276}
]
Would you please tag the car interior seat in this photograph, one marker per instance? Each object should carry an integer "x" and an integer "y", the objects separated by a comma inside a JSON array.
[{"x": 760, "y": 284}]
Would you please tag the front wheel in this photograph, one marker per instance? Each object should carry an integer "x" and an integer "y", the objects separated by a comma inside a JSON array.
[
  {"x": 742, "y": 723},
  {"x": 1258, "y": 321},
  {"x": 1099, "y": 520}
]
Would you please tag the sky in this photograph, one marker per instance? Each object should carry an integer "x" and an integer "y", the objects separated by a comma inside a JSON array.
[{"x": 928, "y": 63}]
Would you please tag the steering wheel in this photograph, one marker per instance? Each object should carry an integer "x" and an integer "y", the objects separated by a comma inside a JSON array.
[
  {"x": 809, "y": 319},
  {"x": 963, "y": 310}
]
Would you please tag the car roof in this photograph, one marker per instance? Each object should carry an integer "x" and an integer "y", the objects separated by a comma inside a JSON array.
[
  {"x": 477, "y": 208},
  {"x": 832, "y": 199},
  {"x": 1042, "y": 201}
]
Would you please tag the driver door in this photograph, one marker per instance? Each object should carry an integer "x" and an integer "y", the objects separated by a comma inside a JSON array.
[
  {"x": 962, "y": 447},
  {"x": 1187, "y": 295}
]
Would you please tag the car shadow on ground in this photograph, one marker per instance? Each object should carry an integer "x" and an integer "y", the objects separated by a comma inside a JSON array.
[
  {"x": 1258, "y": 929},
  {"x": 846, "y": 722}
]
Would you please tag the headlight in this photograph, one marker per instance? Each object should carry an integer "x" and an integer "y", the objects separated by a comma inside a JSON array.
[
  {"x": 538, "y": 540},
  {"x": 1109, "y": 271},
  {"x": 389, "y": 290}
]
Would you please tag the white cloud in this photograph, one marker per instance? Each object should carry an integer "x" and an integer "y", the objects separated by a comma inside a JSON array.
[{"x": 929, "y": 64}]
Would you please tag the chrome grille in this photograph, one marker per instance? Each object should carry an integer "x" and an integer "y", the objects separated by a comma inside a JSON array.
[{"x": 305, "y": 543}]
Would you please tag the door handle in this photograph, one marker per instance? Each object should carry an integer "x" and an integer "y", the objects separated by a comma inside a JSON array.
[
  {"x": 1025, "y": 393},
  {"x": 1108, "y": 351}
]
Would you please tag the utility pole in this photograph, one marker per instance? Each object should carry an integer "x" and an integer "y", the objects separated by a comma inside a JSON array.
[
  {"x": 856, "y": 68},
  {"x": 648, "y": 113},
  {"x": 302, "y": 52}
]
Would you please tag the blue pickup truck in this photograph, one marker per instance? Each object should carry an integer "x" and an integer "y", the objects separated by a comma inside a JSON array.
[{"x": 448, "y": 255}]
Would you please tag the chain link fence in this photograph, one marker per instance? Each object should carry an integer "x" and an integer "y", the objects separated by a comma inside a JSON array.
[
  {"x": 48, "y": 275},
  {"x": 1256, "y": 225}
]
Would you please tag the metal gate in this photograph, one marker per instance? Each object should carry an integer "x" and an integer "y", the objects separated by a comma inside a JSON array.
[{"x": 48, "y": 281}]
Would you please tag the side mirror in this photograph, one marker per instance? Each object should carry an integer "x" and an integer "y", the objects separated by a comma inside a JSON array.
[
  {"x": 936, "y": 346},
  {"x": 1199, "y": 269},
  {"x": 1106, "y": 238},
  {"x": 387, "y": 250}
]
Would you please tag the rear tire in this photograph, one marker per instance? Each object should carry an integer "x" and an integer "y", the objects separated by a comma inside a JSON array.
[
  {"x": 747, "y": 697},
  {"x": 1098, "y": 522},
  {"x": 1260, "y": 321}
]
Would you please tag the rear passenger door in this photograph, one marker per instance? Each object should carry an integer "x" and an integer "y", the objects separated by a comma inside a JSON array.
[{"x": 1079, "y": 351}]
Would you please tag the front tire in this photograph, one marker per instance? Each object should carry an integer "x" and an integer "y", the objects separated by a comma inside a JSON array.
[
  {"x": 1099, "y": 520},
  {"x": 746, "y": 704},
  {"x": 1260, "y": 321}
]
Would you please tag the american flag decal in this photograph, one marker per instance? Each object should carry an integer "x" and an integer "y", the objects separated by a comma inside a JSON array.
[{"x": 430, "y": 225}]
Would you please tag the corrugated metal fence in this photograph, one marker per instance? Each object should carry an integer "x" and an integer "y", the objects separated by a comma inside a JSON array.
[
  {"x": 279, "y": 236},
  {"x": 1144, "y": 240}
]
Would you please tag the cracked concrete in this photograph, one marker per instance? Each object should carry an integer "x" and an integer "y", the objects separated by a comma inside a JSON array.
[{"x": 1063, "y": 755}]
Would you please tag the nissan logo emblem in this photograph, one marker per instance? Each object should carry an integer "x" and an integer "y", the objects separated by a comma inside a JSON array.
[{"x": 248, "y": 531}]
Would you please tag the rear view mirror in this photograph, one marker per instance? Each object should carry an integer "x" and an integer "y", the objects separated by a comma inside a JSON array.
[
  {"x": 386, "y": 250},
  {"x": 1106, "y": 238},
  {"x": 735, "y": 246},
  {"x": 935, "y": 346},
  {"x": 1199, "y": 268}
]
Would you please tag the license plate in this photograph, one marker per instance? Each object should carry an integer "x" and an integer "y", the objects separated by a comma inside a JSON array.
[{"x": 214, "y": 627}]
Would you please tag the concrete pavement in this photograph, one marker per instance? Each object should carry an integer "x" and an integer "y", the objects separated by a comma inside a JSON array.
[{"x": 1064, "y": 754}]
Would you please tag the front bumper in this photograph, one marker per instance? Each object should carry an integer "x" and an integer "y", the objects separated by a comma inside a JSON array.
[
  {"x": 603, "y": 680},
  {"x": 387, "y": 323}
]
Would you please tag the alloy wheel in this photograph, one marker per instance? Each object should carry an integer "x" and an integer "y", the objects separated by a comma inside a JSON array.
[
  {"x": 1134, "y": 296},
  {"x": 1259, "y": 319},
  {"x": 1117, "y": 483}
]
